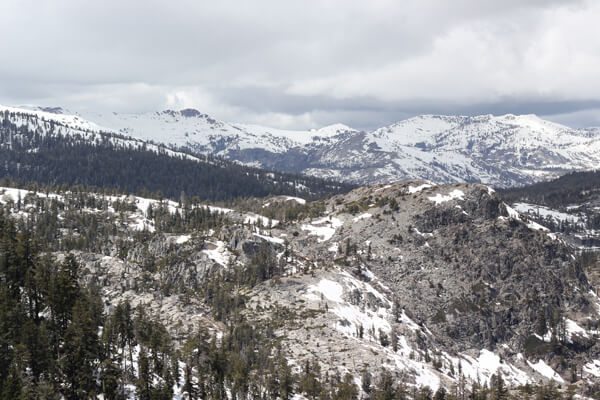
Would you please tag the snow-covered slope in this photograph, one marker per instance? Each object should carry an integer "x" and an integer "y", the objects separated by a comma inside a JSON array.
[
  {"x": 54, "y": 122},
  {"x": 202, "y": 133},
  {"x": 498, "y": 150},
  {"x": 440, "y": 286},
  {"x": 423, "y": 279}
]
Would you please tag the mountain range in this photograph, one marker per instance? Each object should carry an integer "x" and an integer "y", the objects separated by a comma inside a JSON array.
[
  {"x": 265, "y": 284},
  {"x": 37, "y": 148},
  {"x": 502, "y": 151}
]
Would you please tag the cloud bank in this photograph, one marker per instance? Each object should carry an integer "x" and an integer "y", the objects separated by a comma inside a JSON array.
[{"x": 306, "y": 63}]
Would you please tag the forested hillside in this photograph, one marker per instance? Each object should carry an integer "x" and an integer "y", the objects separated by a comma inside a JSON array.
[
  {"x": 137, "y": 298},
  {"x": 49, "y": 153},
  {"x": 59, "y": 340},
  {"x": 568, "y": 207},
  {"x": 569, "y": 189}
]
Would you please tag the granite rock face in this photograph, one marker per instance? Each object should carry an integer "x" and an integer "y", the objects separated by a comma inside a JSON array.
[{"x": 432, "y": 283}]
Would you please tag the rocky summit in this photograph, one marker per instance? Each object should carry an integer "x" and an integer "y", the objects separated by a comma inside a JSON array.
[{"x": 405, "y": 273}]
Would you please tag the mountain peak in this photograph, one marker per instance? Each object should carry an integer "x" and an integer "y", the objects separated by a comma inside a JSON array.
[
  {"x": 51, "y": 110},
  {"x": 333, "y": 129}
]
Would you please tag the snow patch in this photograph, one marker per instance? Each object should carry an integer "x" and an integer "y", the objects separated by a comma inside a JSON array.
[
  {"x": 324, "y": 228},
  {"x": 182, "y": 239},
  {"x": 331, "y": 290},
  {"x": 544, "y": 369},
  {"x": 592, "y": 368},
  {"x": 270, "y": 238},
  {"x": 453, "y": 195},
  {"x": 574, "y": 329},
  {"x": 218, "y": 253},
  {"x": 296, "y": 199},
  {"x": 416, "y": 189},
  {"x": 362, "y": 216}
]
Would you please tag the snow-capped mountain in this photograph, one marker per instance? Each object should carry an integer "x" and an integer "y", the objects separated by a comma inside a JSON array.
[
  {"x": 501, "y": 150},
  {"x": 498, "y": 150},
  {"x": 201, "y": 133},
  {"x": 53, "y": 122},
  {"x": 54, "y": 149}
]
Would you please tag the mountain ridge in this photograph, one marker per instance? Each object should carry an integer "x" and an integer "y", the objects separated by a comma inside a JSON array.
[
  {"x": 445, "y": 287},
  {"x": 506, "y": 150},
  {"x": 37, "y": 147}
]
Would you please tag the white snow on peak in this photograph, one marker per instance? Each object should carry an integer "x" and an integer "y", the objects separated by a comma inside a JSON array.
[
  {"x": 460, "y": 133},
  {"x": 294, "y": 138},
  {"x": 51, "y": 123},
  {"x": 414, "y": 130},
  {"x": 72, "y": 121},
  {"x": 333, "y": 129},
  {"x": 502, "y": 150}
]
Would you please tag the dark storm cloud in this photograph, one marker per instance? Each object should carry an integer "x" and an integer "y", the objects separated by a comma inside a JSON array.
[{"x": 305, "y": 63}]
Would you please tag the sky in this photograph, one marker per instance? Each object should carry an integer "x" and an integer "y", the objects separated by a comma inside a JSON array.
[{"x": 302, "y": 63}]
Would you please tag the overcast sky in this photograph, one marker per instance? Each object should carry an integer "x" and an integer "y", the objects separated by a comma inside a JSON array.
[{"x": 306, "y": 63}]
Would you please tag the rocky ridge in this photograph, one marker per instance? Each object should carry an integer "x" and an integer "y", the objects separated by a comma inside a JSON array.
[{"x": 436, "y": 284}]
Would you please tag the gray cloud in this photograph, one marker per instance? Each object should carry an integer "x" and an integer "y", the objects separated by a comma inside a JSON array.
[{"x": 304, "y": 64}]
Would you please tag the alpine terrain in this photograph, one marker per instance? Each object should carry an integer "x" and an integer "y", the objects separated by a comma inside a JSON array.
[
  {"x": 500, "y": 151},
  {"x": 299, "y": 200},
  {"x": 405, "y": 290}
]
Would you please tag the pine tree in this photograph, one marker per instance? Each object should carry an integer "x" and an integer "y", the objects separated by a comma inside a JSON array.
[
  {"x": 144, "y": 379},
  {"x": 498, "y": 387},
  {"x": 309, "y": 382},
  {"x": 366, "y": 382},
  {"x": 80, "y": 351},
  {"x": 286, "y": 380},
  {"x": 385, "y": 389},
  {"x": 111, "y": 380},
  {"x": 346, "y": 389}
]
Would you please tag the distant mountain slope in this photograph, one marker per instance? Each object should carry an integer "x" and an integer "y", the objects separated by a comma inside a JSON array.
[
  {"x": 570, "y": 189},
  {"x": 62, "y": 150},
  {"x": 568, "y": 206},
  {"x": 502, "y": 151},
  {"x": 200, "y": 132}
]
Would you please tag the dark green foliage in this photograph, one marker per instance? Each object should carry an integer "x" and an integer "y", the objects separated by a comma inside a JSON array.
[
  {"x": 53, "y": 352},
  {"x": 573, "y": 188},
  {"x": 50, "y": 345},
  {"x": 59, "y": 159},
  {"x": 577, "y": 188}
]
